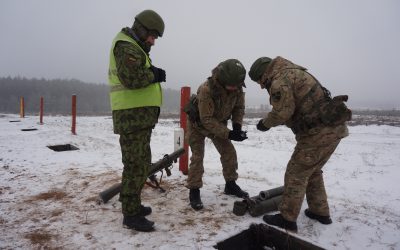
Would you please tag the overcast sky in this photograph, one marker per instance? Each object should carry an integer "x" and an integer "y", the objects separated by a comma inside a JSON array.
[{"x": 351, "y": 46}]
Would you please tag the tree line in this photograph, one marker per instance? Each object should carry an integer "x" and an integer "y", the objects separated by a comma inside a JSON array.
[{"x": 92, "y": 99}]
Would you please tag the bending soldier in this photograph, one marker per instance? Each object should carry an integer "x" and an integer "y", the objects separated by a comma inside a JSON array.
[
  {"x": 135, "y": 96},
  {"x": 300, "y": 102},
  {"x": 219, "y": 99}
]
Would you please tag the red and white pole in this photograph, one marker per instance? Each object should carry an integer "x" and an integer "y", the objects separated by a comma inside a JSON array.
[
  {"x": 73, "y": 127},
  {"x": 184, "y": 159}
]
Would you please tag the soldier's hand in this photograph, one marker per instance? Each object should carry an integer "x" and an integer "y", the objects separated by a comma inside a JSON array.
[
  {"x": 261, "y": 126},
  {"x": 159, "y": 74},
  {"x": 237, "y": 135}
]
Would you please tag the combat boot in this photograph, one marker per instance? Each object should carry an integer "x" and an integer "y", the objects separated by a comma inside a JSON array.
[
  {"x": 144, "y": 211},
  {"x": 138, "y": 222},
  {"x": 326, "y": 220},
  {"x": 194, "y": 198},
  {"x": 279, "y": 221},
  {"x": 233, "y": 189}
]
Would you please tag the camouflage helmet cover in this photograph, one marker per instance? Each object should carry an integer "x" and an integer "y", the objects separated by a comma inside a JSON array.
[
  {"x": 151, "y": 20},
  {"x": 231, "y": 72},
  {"x": 258, "y": 68}
]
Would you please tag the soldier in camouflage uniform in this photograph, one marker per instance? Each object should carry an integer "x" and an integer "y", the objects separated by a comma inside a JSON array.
[
  {"x": 295, "y": 96},
  {"x": 136, "y": 97},
  {"x": 218, "y": 100}
]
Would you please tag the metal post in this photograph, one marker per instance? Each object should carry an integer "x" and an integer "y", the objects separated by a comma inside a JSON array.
[
  {"x": 184, "y": 159},
  {"x": 22, "y": 107},
  {"x": 41, "y": 110},
  {"x": 73, "y": 127}
]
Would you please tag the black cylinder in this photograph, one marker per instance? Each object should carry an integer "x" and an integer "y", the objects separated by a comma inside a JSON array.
[{"x": 265, "y": 195}]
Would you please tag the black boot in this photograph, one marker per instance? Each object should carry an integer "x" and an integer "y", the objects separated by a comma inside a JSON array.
[
  {"x": 144, "y": 211},
  {"x": 278, "y": 220},
  {"x": 233, "y": 189},
  {"x": 195, "y": 200},
  {"x": 138, "y": 222},
  {"x": 322, "y": 219}
]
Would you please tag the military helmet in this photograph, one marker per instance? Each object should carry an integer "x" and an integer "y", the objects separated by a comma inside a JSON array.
[
  {"x": 258, "y": 68},
  {"x": 231, "y": 72},
  {"x": 151, "y": 21}
]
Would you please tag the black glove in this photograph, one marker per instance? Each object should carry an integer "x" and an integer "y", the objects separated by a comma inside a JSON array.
[
  {"x": 237, "y": 135},
  {"x": 261, "y": 126},
  {"x": 159, "y": 74},
  {"x": 237, "y": 126}
]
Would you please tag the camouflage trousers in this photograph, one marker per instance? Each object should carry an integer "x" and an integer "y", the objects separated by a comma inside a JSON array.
[
  {"x": 224, "y": 147},
  {"x": 136, "y": 157},
  {"x": 303, "y": 176}
]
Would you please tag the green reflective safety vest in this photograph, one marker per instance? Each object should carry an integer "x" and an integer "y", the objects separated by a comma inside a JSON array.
[{"x": 125, "y": 98}]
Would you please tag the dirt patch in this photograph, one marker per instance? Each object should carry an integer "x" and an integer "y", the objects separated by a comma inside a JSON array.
[
  {"x": 110, "y": 176},
  {"x": 188, "y": 222},
  {"x": 51, "y": 195},
  {"x": 167, "y": 184},
  {"x": 41, "y": 238},
  {"x": 94, "y": 199},
  {"x": 56, "y": 212},
  {"x": 186, "y": 210},
  {"x": 4, "y": 189},
  {"x": 2, "y": 221},
  {"x": 85, "y": 184}
]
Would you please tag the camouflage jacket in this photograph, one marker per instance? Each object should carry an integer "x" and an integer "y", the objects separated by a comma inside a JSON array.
[
  {"x": 289, "y": 84},
  {"x": 217, "y": 106},
  {"x": 130, "y": 62}
]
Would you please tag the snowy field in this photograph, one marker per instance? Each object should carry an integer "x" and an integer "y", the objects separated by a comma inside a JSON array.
[{"x": 48, "y": 198}]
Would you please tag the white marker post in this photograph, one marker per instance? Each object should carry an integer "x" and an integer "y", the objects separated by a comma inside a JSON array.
[{"x": 179, "y": 137}]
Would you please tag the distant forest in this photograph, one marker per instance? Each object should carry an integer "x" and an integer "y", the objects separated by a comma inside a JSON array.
[{"x": 92, "y": 99}]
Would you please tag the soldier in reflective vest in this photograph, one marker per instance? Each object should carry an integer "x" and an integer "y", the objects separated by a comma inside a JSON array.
[{"x": 136, "y": 98}]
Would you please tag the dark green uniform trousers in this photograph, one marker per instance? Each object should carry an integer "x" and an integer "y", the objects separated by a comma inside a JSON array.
[{"x": 136, "y": 157}]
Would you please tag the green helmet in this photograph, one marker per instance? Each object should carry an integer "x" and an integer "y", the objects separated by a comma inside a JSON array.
[
  {"x": 151, "y": 20},
  {"x": 231, "y": 72},
  {"x": 258, "y": 68}
]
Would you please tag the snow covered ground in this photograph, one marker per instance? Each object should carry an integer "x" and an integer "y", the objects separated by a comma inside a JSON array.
[{"x": 48, "y": 198}]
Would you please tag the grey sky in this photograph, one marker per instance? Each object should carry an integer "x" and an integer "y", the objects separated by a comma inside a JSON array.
[{"x": 351, "y": 46}]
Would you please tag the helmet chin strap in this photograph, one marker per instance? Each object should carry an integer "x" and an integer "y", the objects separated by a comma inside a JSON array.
[
  {"x": 139, "y": 33},
  {"x": 267, "y": 85}
]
